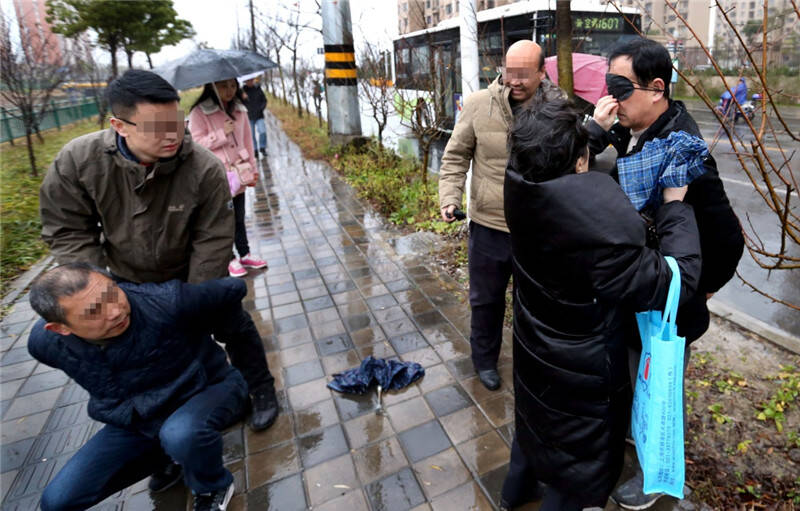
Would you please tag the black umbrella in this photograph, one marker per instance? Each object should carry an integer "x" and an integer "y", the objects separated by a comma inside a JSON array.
[
  {"x": 387, "y": 374},
  {"x": 206, "y": 66}
]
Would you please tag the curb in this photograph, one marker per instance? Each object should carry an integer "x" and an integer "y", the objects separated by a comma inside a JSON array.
[
  {"x": 22, "y": 282},
  {"x": 773, "y": 334}
]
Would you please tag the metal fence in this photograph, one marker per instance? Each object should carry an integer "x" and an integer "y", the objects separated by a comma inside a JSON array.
[{"x": 59, "y": 114}]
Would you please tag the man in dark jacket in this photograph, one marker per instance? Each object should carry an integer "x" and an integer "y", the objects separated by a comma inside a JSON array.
[
  {"x": 155, "y": 377},
  {"x": 639, "y": 77},
  {"x": 145, "y": 201},
  {"x": 256, "y": 102}
]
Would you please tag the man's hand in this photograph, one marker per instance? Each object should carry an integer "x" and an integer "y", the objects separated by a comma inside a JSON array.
[
  {"x": 606, "y": 111},
  {"x": 447, "y": 213},
  {"x": 228, "y": 127},
  {"x": 672, "y": 194}
]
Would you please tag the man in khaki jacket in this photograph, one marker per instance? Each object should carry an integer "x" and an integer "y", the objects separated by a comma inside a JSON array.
[
  {"x": 151, "y": 205},
  {"x": 480, "y": 136}
]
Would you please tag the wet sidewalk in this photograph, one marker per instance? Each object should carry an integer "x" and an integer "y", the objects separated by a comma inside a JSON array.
[{"x": 335, "y": 293}]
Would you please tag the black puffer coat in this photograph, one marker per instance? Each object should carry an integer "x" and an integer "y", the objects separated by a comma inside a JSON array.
[
  {"x": 721, "y": 236},
  {"x": 581, "y": 269}
]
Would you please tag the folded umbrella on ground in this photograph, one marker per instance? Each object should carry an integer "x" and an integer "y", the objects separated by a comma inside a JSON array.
[{"x": 387, "y": 374}]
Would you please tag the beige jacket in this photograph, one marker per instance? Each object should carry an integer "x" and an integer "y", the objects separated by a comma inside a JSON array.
[{"x": 481, "y": 135}]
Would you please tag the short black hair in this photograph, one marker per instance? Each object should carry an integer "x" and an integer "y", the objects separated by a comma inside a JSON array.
[
  {"x": 138, "y": 86},
  {"x": 62, "y": 281},
  {"x": 547, "y": 140},
  {"x": 650, "y": 60}
]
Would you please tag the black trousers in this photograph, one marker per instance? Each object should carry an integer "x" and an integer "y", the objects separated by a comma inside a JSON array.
[
  {"x": 243, "y": 344},
  {"x": 240, "y": 232},
  {"x": 489, "y": 252}
]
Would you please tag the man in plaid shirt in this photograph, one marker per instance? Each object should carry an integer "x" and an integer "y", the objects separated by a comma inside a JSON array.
[{"x": 638, "y": 80}]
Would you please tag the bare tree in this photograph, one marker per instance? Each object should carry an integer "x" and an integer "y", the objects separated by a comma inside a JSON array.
[
  {"x": 375, "y": 85},
  {"x": 31, "y": 72},
  {"x": 277, "y": 38},
  {"x": 423, "y": 107},
  {"x": 87, "y": 69},
  {"x": 771, "y": 174}
]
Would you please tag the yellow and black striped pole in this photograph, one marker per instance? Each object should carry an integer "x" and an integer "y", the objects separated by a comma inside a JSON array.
[
  {"x": 340, "y": 64},
  {"x": 341, "y": 84}
]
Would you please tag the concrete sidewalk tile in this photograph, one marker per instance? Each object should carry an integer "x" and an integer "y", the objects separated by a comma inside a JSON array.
[
  {"x": 32, "y": 403},
  {"x": 23, "y": 427}
]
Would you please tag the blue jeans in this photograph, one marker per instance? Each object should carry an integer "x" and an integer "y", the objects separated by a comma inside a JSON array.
[
  {"x": 259, "y": 127},
  {"x": 116, "y": 458}
]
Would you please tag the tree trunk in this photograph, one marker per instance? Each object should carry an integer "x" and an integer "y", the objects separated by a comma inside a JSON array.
[
  {"x": 149, "y": 60},
  {"x": 114, "y": 69},
  {"x": 564, "y": 45},
  {"x": 31, "y": 156},
  {"x": 280, "y": 75},
  {"x": 129, "y": 53},
  {"x": 296, "y": 85},
  {"x": 252, "y": 28}
]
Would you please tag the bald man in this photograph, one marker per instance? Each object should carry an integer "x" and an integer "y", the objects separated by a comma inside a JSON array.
[{"x": 480, "y": 137}]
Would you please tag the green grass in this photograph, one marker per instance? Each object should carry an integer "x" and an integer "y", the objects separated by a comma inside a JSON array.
[{"x": 20, "y": 228}]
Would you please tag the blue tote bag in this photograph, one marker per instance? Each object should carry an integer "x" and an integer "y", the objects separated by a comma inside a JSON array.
[{"x": 657, "y": 418}]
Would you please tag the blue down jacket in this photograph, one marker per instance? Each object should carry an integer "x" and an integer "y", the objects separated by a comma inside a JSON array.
[{"x": 166, "y": 355}]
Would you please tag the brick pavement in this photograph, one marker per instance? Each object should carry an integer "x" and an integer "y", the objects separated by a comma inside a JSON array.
[{"x": 335, "y": 292}]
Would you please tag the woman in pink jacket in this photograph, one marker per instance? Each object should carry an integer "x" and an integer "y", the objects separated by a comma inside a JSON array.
[{"x": 218, "y": 121}]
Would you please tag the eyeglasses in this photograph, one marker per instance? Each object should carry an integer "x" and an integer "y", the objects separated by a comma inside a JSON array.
[
  {"x": 622, "y": 88},
  {"x": 158, "y": 126}
]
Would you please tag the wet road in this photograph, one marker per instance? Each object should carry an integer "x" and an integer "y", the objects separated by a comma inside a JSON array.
[{"x": 760, "y": 221}]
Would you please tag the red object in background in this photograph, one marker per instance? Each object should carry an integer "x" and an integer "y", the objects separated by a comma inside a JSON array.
[{"x": 589, "y": 75}]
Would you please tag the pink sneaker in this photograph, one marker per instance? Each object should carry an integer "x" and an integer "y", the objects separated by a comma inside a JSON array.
[
  {"x": 235, "y": 269},
  {"x": 251, "y": 261}
]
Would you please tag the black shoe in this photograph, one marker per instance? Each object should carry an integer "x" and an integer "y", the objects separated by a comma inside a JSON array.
[
  {"x": 165, "y": 477},
  {"x": 214, "y": 501},
  {"x": 263, "y": 152},
  {"x": 532, "y": 494},
  {"x": 264, "y": 409},
  {"x": 489, "y": 378}
]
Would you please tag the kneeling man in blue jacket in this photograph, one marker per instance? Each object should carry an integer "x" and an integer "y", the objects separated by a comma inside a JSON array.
[{"x": 156, "y": 379}]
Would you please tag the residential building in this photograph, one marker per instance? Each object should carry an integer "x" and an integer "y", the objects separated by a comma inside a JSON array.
[
  {"x": 40, "y": 38},
  {"x": 415, "y": 15}
]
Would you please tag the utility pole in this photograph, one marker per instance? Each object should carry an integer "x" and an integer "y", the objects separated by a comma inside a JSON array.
[
  {"x": 252, "y": 28},
  {"x": 341, "y": 85},
  {"x": 470, "y": 77}
]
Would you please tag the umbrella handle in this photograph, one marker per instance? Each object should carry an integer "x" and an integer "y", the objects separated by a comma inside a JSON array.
[{"x": 379, "y": 408}]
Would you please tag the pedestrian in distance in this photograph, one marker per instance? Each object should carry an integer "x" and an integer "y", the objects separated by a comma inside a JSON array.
[
  {"x": 157, "y": 381},
  {"x": 638, "y": 80},
  {"x": 147, "y": 202},
  {"x": 218, "y": 121},
  {"x": 480, "y": 138},
  {"x": 256, "y": 102},
  {"x": 581, "y": 269}
]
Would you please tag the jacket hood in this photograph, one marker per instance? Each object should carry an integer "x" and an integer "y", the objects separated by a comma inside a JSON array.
[{"x": 551, "y": 216}]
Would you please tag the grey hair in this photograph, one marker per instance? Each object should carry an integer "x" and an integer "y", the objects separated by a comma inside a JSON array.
[{"x": 60, "y": 282}]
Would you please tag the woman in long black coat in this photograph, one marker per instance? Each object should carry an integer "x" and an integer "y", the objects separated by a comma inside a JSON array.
[{"x": 581, "y": 270}]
